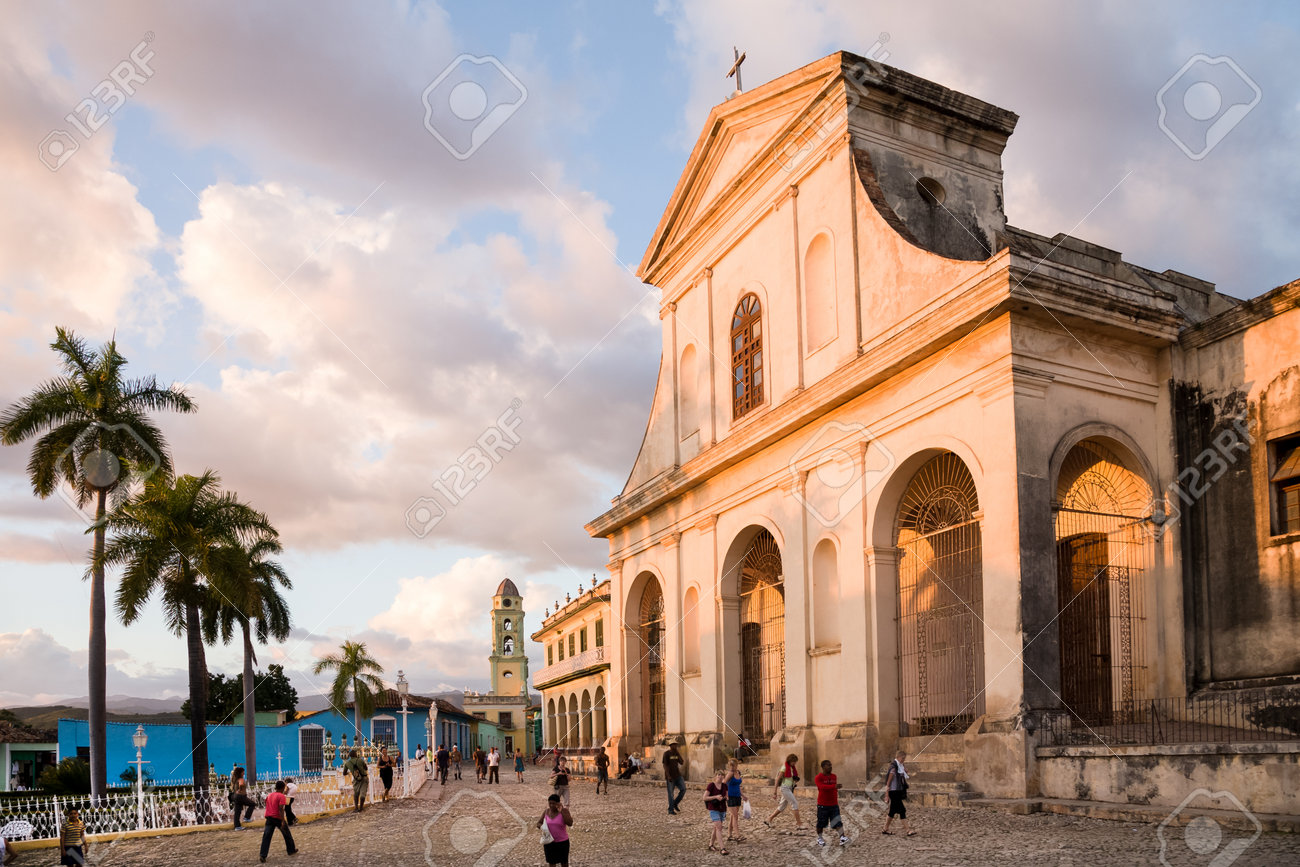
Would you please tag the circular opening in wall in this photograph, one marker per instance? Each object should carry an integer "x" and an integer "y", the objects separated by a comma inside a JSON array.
[
  {"x": 507, "y": 674},
  {"x": 930, "y": 191}
]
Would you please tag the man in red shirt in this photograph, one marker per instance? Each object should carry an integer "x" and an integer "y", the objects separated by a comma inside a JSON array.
[
  {"x": 275, "y": 805},
  {"x": 828, "y": 804}
]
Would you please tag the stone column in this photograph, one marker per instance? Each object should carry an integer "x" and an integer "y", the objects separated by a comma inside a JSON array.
[
  {"x": 882, "y": 652},
  {"x": 674, "y": 689}
]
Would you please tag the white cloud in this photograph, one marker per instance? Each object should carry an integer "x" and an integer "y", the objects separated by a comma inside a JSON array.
[{"x": 40, "y": 670}]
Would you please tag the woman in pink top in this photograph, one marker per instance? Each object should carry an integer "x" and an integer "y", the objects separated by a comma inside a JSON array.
[{"x": 557, "y": 820}]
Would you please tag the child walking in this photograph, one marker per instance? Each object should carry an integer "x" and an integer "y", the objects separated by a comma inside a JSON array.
[{"x": 828, "y": 804}]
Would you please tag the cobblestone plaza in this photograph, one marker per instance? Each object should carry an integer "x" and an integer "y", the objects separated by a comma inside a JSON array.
[{"x": 470, "y": 824}]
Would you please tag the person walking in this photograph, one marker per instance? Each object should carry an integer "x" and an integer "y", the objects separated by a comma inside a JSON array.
[
  {"x": 494, "y": 766},
  {"x": 828, "y": 804},
  {"x": 519, "y": 767},
  {"x": 896, "y": 785},
  {"x": 735, "y": 800},
  {"x": 290, "y": 792},
  {"x": 276, "y": 803},
  {"x": 455, "y": 760},
  {"x": 480, "y": 764},
  {"x": 239, "y": 800},
  {"x": 783, "y": 792},
  {"x": 715, "y": 801},
  {"x": 356, "y": 766},
  {"x": 602, "y": 771},
  {"x": 555, "y": 824},
  {"x": 385, "y": 770},
  {"x": 560, "y": 781},
  {"x": 675, "y": 781},
  {"x": 442, "y": 759},
  {"x": 73, "y": 844}
]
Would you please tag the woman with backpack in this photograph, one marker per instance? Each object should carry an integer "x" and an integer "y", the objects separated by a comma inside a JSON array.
[
  {"x": 896, "y": 785},
  {"x": 784, "y": 792}
]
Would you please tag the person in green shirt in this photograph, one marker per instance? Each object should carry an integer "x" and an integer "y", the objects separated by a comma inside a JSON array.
[{"x": 356, "y": 766}]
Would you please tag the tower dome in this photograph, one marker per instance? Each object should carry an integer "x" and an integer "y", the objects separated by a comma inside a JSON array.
[{"x": 507, "y": 588}]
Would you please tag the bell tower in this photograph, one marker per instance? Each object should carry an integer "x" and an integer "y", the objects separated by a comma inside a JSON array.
[{"x": 509, "y": 661}]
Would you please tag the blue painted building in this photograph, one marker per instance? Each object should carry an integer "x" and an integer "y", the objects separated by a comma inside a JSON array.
[{"x": 299, "y": 743}]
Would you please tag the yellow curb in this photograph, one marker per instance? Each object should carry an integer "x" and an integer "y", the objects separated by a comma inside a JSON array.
[{"x": 52, "y": 843}]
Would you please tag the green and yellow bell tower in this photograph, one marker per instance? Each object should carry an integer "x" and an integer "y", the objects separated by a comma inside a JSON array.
[{"x": 509, "y": 662}]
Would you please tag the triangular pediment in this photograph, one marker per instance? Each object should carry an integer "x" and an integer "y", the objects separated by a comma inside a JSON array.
[{"x": 741, "y": 135}]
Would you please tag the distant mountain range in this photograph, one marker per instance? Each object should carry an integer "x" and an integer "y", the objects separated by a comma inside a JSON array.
[{"x": 126, "y": 704}]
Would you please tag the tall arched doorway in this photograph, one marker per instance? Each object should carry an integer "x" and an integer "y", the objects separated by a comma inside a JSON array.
[
  {"x": 940, "y": 600},
  {"x": 651, "y": 632},
  {"x": 762, "y": 637},
  {"x": 1101, "y": 554}
]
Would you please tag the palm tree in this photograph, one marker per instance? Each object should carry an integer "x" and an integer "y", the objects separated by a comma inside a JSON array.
[
  {"x": 185, "y": 539},
  {"x": 250, "y": 596},
  {"x": 353, "y": 667},
  {"x": 97, "y": 438}
]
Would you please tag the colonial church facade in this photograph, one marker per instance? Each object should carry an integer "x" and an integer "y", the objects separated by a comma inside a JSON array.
[{"x": 912, "y": 473}]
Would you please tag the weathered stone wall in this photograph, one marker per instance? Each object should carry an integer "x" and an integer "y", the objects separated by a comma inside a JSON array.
[
  {"x": 1265, "y": 777},
  {"x": 1237, "y": 393}
]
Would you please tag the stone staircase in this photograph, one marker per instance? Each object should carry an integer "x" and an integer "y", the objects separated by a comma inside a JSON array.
[
  {"x": 758, "y": 767},
  {"x": 936, "y": 768}
]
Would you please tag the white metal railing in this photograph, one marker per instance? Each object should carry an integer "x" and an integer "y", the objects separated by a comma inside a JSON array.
[
  {"x": 585, "y": 659},
  {"x": 165, "y": 805}
]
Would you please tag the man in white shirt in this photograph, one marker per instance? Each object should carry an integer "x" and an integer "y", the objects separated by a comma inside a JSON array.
[{"x": 494, "y": 766}]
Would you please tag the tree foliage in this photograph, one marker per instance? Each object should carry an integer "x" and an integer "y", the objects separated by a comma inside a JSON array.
[
  {"x": 272, "y": 687},
  {"x": 93, "y": 434},
  {"x": 69, "y": 777}
]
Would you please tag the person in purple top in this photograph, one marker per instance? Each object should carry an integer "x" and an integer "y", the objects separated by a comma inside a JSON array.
[{"x": 556, "y": 821}]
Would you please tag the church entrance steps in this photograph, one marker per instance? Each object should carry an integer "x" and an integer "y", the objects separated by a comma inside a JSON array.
[
  {"x": 758, "y": 767},
  {"x": 932, "y": 763},
  {"x": 1230, "y": 819},
  {"x": 936, "y": 767}
]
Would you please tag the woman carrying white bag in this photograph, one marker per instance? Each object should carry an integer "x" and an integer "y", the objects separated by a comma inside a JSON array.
[{"x": 555, "y": 824}]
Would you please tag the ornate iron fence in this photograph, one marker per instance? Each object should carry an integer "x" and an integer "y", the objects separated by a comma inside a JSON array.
[
  {"x": 1227, "y": 718},
  {"x": 175, "y": 806}
]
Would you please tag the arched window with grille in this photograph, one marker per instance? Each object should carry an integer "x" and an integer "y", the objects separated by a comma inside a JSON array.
[
  {"x": 651, "y": 633},
  {"x": 746, "y": 356}
]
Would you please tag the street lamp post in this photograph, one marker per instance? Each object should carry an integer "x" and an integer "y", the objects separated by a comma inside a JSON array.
[
  {"x": 279, "y": 771},
  {"x": 402, "y": 689},
  {"x": 141, "y": 740}
]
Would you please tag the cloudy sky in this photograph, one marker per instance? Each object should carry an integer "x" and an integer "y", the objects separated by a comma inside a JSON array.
[{"x": 360, "y": 268}]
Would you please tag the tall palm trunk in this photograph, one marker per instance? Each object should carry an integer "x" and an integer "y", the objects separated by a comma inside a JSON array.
[
  {"x": 97, "y": 660},
  {"x": 198, "y": 695},
  {"x": 250, "y": 732},
  {"x": 356, "y": 710}
]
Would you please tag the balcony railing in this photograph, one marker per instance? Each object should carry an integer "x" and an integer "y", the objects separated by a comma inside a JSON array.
[{"x": 586, "y": 659}]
